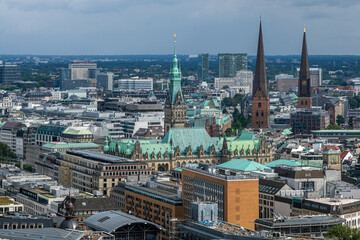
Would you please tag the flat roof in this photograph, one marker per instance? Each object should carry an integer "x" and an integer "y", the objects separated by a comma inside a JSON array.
[
  {"x": 333, "y": 201},
  {"x": 41, "y": 233},
  {"x": 100, "y": 157}
]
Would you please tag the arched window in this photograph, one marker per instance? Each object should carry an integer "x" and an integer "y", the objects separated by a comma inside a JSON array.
[
  {"x": 259, "y": 105},
  {"x": 262, "y": 113},
  {"x": 257, "y": 113}
]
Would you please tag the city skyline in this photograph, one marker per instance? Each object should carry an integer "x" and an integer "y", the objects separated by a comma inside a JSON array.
[{"x": 79, "y": 27}]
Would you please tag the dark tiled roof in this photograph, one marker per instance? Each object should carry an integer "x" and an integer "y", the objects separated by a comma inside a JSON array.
[
  {"x": 270, "y": 186},
  {"x": 91, "y": 204}
]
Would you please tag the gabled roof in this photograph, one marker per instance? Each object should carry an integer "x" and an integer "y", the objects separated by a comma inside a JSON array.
[{"x": 243, "y": 165}]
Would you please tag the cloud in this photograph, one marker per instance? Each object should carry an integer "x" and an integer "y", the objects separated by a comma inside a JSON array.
[{"x": 146, "y": 26}]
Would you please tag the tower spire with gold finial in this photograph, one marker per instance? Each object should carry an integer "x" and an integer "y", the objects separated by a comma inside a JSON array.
[
  {"x": 175, "y": 44},
  {"x": 304, "y": 28}
]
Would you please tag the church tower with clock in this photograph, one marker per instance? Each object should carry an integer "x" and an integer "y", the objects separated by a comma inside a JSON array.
[
  {"x": 260, "y": 97},
  {"x": 304, "y": 85}
]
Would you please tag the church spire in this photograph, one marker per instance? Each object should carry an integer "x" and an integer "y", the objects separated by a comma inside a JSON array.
[
  {"x": 175, "y": 77},
  {"x": 304, "y": 84},
  {"x": 260, "y": 99},
  {"x": 260, "y": 81},
  {"x": 304, "y": 73}
]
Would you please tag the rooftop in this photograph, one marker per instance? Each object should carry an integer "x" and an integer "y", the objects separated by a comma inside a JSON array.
[
  {"x": 41, "y": 233},
  {"x": 109, "y": 221},
  {"x": 72, "y": 131},
  {"x": 243, "y": 165},
  {"x": 7, "y": 201},
  {"x": 100, "y": 157},
  {"x": 58, "y": 145},
  {"x": 333, "y": 201},
  {"x": 298, "y": 221}
]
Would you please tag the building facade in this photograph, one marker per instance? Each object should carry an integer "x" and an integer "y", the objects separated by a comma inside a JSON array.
[
  {"x": 236, "y": 195},
  {"x": 203, "y": 66},
  {"x": 135, "y": 84},
  {"x": 105, "y": 81},
  {"x": 231, "y": 63}
]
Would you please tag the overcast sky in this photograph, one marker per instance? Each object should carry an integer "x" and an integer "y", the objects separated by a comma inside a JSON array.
[{"x": 147, "y": 26}]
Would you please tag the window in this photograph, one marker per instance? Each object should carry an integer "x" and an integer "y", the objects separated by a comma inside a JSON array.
[
  {"x": 259, "y": 105},
  {"x": 308, "y": 186}
]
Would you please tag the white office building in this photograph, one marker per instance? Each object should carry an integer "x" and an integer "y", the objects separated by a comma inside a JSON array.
[
  {"x": 242, "y": 82},
  {"x": 136, "y": 84}
]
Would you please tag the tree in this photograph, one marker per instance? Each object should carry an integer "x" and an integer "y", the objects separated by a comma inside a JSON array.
[
  {"x": 340, "y": 119},
  {"x": 333, "y": 126},
  {"x": 225, "y": 111},
  {"x": 228, "y": 132},
  {"x": 343, "y": 232},
  {"x": 225, "y": 87}
]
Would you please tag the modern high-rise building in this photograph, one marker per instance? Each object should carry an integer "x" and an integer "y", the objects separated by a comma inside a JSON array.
[
  {"x": 304, "y": 87},
  {"x": 231, "y": 63},
  {"x": 64, "y": 76},
  {"x": 203, "y": 66},
  {"x": 105, "y": 80},
  {"x": 82, "y": 70},
  {"x": 9, "y": 74},
  {"x": 136, "y": 84},
  {"x": 260, "y": 97}
]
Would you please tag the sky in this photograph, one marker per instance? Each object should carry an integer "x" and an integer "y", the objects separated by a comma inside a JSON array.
[{"x": 121, "y": 27}]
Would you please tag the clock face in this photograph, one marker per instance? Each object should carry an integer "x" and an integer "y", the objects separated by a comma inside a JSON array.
[
  {"x": 304, "y": 82},
  {"x": 259, "y": 95}
]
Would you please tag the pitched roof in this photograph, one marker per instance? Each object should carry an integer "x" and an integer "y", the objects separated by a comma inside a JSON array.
[
  {"x": 185, "y": 137},
  {"x": 243, "y": 165},
  {"x": 283, "y": 162},
  {"x": 270, "y": 186},
  {"x": 73, "y": 131},
  {"x": 41, "y": 233},
  {"x": 343, "y": 154},
  {"x": 332, "y": 147}
]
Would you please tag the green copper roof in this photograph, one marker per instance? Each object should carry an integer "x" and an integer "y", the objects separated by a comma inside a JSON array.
[
  {"x": 243, "y": 165},
  {"x": 223, "y": 120},
  {"x": 77, "y": 132},
  {"x": 287, "y": 131},
  {"x": 175, "y": 79},
  {"x": 2, "y": 123},
  {"x": 70, "y": 145},
  {"x": 183, "y": 137},
  {"x": 283, "y": 162},
  {"x": 246, "y": 136}
]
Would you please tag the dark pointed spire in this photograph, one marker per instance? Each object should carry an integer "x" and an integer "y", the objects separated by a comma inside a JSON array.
[
  {"x": 304, "y": 74},
  {"x": 260, "y": 81}
]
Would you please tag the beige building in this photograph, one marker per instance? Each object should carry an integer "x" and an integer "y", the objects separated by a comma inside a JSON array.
[{"x": 95, "y": 172}]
